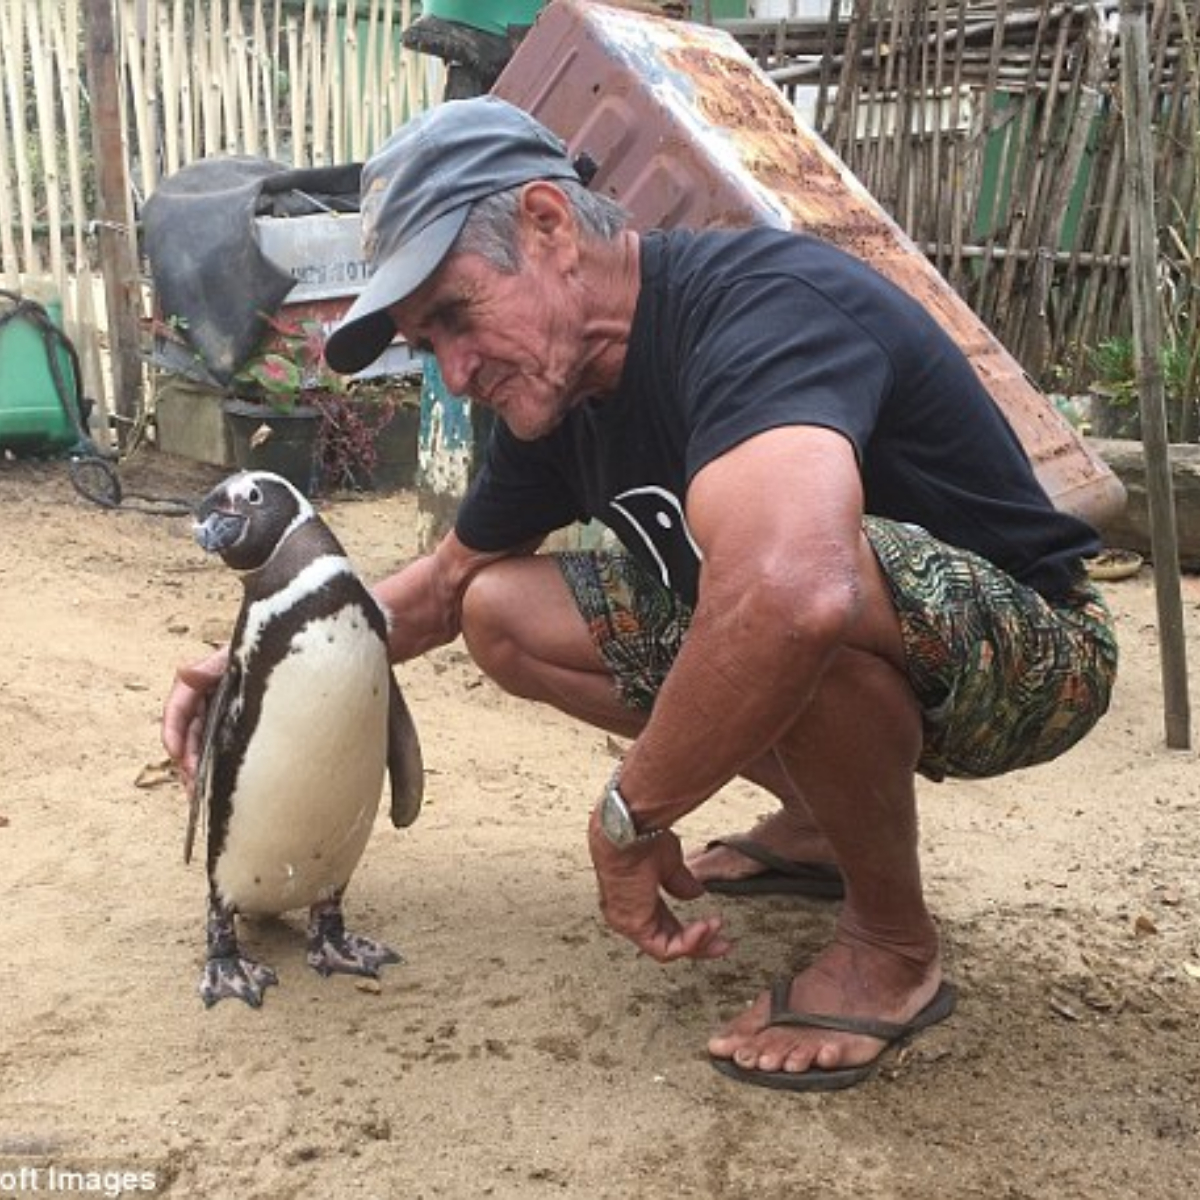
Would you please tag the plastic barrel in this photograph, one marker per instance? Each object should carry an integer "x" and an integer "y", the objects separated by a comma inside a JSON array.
[{"x": 33, "y": 416}]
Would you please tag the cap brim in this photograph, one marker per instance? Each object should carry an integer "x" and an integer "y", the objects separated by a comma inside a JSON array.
[{"x": 367, "y": 330}]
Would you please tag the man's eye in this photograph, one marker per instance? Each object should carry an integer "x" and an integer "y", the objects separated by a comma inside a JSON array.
[{"x": 456, "y": 318}]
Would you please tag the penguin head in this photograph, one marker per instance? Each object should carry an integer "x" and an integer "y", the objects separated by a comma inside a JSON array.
[{"x": 246, "y": 518}]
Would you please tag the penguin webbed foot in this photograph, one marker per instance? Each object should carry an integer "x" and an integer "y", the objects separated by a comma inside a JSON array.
[
  {"x": 332, "y": 949},
  {"x": 228, "y": 973},
  {"x": 231, "y": 975}
]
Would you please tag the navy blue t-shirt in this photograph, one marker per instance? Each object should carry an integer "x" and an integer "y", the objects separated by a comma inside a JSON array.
[{"x": 738, "y": 332}]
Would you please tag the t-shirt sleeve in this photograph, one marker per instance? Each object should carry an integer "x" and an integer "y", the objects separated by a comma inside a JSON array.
[
  {"x": 773, "y": 351},
  {"x": 516, "y": 496}
]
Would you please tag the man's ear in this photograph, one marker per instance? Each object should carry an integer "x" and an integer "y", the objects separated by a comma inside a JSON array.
[
  {"x": 548, "y": 229},
  {"x": 545, "y": 209}
]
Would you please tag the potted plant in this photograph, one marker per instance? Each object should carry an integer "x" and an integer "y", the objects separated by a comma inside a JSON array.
[
  {"x": 323, "y": 432},
  {"x": 272, "y": 414},
  {"x": 1114, "y": 389},
  {"x": 368, "y": 435},
  {"x": 286, "y": 411}
]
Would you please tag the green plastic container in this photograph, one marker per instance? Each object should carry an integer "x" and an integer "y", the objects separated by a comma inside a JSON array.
[
  {"x": 33, "y": 419},
  {"x": 491, "y": 18}
]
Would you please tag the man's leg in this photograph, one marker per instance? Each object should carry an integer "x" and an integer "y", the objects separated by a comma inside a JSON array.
[
  {"x": 853, "y": 756},
  {"x": 848, "y": 763},
  {"x": 524, "y": 630}
]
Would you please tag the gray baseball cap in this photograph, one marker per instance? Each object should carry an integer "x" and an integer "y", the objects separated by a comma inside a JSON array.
[{"x": 416, "y": 192}]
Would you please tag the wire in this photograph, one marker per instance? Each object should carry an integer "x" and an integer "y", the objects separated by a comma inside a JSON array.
[{"x": 95, "y": 479}]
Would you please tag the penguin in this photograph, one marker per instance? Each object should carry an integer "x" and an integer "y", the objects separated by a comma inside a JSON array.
[{"x": 298, "y": 735}]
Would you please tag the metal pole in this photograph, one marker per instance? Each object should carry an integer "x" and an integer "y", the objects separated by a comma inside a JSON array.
[{"x": 1147, "y": 342}]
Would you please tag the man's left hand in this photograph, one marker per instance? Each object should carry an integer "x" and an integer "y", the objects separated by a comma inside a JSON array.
[{"x": 632, "y": 882}]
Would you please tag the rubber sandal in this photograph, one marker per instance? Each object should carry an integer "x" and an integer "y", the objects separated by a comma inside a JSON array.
[
  {"x": 782, "y": 877},
  {"x": 817, "y": 1080}
]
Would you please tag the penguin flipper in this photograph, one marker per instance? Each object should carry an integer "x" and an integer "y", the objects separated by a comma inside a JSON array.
[
  {"x": 406, "y": 769},
  {"x": 202, "y": 785}
]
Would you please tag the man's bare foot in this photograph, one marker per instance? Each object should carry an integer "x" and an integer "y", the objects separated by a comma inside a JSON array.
[
  {"x": 784, "y": 834},
  {"x": 845, "y": 981}
]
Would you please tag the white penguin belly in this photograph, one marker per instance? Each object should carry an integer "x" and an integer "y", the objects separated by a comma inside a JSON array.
[{"x": 309, "y": 787}]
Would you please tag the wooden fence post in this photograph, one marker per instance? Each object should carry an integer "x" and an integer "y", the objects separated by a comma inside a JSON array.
[
  {"x": 116, "y": 234},
  {"x": 1147, "y": 341}
]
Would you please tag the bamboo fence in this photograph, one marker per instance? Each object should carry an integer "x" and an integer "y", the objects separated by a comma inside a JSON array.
[
  {"x": 993, "y": 134},
  {"x": 990, "y": 130},
  {"x": 301, "y": 82}
]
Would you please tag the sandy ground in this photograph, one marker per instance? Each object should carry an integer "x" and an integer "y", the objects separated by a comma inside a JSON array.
[{"x": 522, "y": 1050}]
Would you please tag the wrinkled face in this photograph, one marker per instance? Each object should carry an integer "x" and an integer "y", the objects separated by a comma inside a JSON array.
[
  {"x": 245, "y": 518},
  {"x": 513, "y": 343}
]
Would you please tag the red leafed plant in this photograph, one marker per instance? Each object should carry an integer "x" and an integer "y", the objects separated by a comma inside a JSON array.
[
  {"x": 290, "y": 366},
  {"x": 291, "y": 370},
  {"x": 347, "y": 443}
]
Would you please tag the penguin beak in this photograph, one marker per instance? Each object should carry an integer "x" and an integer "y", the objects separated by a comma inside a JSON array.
[{"x": 219, "y": 531}]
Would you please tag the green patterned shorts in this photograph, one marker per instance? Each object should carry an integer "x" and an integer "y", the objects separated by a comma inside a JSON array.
[{"x": 1004, "y": 677}]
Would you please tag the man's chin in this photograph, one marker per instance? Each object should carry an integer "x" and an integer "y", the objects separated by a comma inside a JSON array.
[{"x": 525, "y": 430}]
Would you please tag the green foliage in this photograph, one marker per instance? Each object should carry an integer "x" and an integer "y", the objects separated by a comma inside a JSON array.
[
  {"x": 273, "y": 374},
  {"x": 1114, "y": 386}
]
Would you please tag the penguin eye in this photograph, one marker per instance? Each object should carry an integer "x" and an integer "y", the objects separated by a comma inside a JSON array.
[{"x": 254, "y": 496}]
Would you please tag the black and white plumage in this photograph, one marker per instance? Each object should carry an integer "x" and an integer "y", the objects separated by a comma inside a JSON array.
[{"x": 305, "y": 721}]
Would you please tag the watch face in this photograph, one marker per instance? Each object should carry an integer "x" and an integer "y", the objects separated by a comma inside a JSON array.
[{"x": 615, "y": 819}]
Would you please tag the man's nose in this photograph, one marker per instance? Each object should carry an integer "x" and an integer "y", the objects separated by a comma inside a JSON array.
[{"x": 456, "y": 364}]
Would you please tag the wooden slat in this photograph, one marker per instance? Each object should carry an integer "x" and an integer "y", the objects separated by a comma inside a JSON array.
[
  {"x": 245, "y": 109},
  {"x": 10, "y": 268},
  {"x": 171, "y": 91},
  {"x": 42, "y": 66},
  {"x": 136, "y": 98},
  {"x": 14, "y": 37},
  {"x": 116, "y": 238},
  {"x": 1147, "y": 336},
  {"x": 58, "y": 19},
  {"x": 85, "y": 321},
  {"x": 295, "y": 97}
]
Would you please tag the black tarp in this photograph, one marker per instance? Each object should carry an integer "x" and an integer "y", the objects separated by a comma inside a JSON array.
[{"x": 212, "y": 282}]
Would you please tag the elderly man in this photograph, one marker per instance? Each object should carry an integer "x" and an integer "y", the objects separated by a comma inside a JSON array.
[{"x": 839, "y": 570}]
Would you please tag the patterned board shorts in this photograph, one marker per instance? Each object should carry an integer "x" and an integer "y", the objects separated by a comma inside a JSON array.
[{"x": 1004, "y": 677}]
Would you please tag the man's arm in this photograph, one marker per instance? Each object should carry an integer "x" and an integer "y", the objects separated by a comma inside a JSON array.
[
  {"x": 423, "y": 601},
  {"x": 779, "y": 521}
]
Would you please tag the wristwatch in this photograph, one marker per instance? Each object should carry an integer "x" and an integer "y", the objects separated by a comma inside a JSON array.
[{"x": 616, "y": 821}]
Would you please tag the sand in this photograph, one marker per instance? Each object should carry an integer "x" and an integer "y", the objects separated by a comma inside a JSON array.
[{"x": 523, "y": 1050}]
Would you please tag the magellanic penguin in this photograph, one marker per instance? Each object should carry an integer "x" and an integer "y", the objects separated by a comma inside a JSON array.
[{"x": 305, "y": 721}]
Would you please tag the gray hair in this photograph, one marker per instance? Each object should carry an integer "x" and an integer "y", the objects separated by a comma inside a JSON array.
[{"x": 492, "y": 224}]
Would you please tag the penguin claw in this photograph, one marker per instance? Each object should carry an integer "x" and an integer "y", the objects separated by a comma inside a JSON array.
[
  {"x": 345, "y": 953},
  {"x": 229, "y": 976}
]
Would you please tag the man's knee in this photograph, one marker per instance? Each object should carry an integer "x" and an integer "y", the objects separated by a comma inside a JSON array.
[
  {"x": 517, "y": 616},
  {"x": 488, "y": 622}
]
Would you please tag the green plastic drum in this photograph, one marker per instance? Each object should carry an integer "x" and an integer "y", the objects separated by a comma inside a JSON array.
[
  {"x": 33, "y": 419},
  {"x": 491, "y": 18}
]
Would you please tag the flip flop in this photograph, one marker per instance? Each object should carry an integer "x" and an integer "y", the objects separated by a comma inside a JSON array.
[
  {"x": 783, "y": 876},
  {"x": 816, "y": 1079}
]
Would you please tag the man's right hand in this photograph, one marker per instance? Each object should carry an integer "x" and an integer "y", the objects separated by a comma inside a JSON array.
[{"x": 185, "y": 710}]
